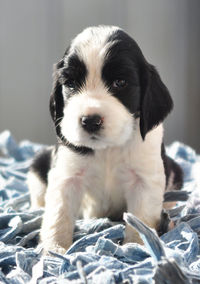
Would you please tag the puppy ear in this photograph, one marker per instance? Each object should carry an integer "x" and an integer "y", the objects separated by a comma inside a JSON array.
[
  {"x": 56, "y": 100},
  {"x": 156, "y": 101}
]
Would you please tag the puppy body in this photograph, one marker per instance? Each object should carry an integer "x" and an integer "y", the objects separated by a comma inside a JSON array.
[{"x": 107, "y": 105}]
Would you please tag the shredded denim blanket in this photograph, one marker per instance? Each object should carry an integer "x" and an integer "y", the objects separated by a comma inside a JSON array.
[{"x": 96, "y": 255}]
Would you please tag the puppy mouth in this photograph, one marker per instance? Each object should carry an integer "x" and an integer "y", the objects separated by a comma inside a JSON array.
[
  {"x": 90, "y": 140},
  {"x": 95, "y": 141},
  {"x": 94, "y": 137}
]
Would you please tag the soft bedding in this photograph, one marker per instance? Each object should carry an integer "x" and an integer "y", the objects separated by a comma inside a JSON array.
[{"x": 97, "y": 255}]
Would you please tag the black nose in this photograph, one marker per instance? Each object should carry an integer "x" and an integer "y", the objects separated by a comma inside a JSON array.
[{"x": 91, "y": 123}]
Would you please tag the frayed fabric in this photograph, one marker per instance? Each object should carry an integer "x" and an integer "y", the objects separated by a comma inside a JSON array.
[{"x": 96, "y": 254}]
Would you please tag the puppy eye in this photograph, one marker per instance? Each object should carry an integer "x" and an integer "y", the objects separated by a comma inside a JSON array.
[
  {"x": 119, "y": 83},
  {"x": 71, "y": 84}
]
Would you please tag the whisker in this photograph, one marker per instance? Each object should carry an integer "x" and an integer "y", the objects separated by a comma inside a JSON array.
[
  {"x": 58, "y": 122},
  {"x": 58, "y": 119}
]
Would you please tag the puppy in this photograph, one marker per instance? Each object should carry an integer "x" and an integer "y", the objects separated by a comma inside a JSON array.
[{"x": 107, "y": 104}]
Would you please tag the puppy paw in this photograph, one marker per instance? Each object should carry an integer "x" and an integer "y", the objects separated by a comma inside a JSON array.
[
  {"x": 55, "y": 248},
  {"x": 132, "y": 236}
]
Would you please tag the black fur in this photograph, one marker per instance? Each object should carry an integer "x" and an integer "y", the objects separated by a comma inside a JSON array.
[
  {"x": 73, "y": 74},
  {"x": 80, "y": 149},
  {"x": 42, "y": 164},
  {"x": 56, "y": 99},
  {"x": 170, "y": 167},
  {"x": 156, "y": 102},
  {"x": 145, "y": 93},
  {"x": 121, "y": 63}
]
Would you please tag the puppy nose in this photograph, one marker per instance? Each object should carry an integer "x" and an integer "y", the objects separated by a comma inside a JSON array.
[{"x": 91, "y": 123}]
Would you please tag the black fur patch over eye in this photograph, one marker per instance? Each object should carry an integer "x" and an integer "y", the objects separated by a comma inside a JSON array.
[
  {"x": 73, "y": 74},
  {"x": 120, "y": 73},
  {"x": 71, "y": 84},
  {"x": 135, "y": 82}
]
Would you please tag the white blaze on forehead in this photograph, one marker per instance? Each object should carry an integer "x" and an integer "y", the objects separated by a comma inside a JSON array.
[{"x": 91, "y": 46}]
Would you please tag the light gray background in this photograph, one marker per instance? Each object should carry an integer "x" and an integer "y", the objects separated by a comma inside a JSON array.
[{"x": 35, "y": 33}]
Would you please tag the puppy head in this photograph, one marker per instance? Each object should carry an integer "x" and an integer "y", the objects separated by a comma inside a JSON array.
[{"x": 102, "y": 86}]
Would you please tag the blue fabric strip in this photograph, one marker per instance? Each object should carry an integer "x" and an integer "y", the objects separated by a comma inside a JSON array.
[{"x": 95, "y": 255}]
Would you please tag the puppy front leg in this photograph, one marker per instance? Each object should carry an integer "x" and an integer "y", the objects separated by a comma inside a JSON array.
[
  {"x": 144, "y": 201},
  {"x": 37, "y": 189},
  {"x": 62, "y": 203}
]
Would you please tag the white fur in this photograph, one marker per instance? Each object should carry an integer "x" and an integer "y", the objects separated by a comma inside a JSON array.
[
  {"x": 37, "y": 190},
  {"x": 104, "y": 185},
  {"x": 118, "y": 122}
]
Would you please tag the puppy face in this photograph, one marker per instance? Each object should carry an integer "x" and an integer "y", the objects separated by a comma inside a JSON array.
[{"x": 102, "y": 86}]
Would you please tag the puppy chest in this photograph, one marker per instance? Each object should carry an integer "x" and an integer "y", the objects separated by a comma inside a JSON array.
[{"x": 105, "y": 192}]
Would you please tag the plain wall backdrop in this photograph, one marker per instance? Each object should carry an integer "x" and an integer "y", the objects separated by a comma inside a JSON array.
[{"x": 34, "y": 35}]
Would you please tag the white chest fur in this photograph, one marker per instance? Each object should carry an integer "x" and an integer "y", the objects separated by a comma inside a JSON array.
[
  {"x": 111, "y": 176},
  {"x": 113, "y": 180}
]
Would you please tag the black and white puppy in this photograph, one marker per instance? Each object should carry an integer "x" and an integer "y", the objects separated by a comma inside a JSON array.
[{"x": 108, "y": 105}]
